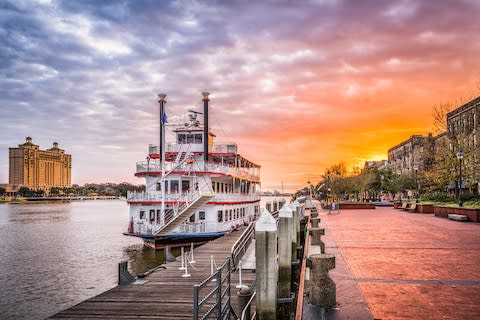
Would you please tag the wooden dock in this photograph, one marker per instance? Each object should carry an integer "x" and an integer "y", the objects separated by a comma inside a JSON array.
[{"x": 165, "y": 294}]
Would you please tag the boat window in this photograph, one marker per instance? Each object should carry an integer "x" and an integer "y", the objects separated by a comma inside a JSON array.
[
  {"x": 220, "y": 216},
  {"x": 189, "y": 138},
  {"x": 192, "y": 218},
  {"x": 181, "y": 138},
  {"x": 159, "y": 186},
  {"x": 174, "y": 186},
  {"x": 142, "y": 215},
  {"x": 198, "y": 138},
  {"x": 238, "y": 213},
  {"x": 152, "y": 215},
  {"x": 201, "y": 215},
  {"x": 213, "y": 186},
  {"x": 230, "y": 214},
  {"x": 158, "y": 215},
  {"x": 185, "y": 185}
]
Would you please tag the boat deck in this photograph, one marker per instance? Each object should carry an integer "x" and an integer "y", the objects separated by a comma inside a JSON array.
[{"x": 165, "y": 294}]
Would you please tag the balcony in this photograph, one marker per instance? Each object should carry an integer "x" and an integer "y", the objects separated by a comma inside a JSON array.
[
  {"x": 214, "y": 148},
  {"x": 252, "y": 174},
  {"x": 156, "y": 196}
]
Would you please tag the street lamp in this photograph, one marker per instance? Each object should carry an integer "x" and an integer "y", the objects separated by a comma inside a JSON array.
[
  {"x": 381, "y": 185},
  {"x": 415, "y": 168},
  {"x": 460, "y": 158}
]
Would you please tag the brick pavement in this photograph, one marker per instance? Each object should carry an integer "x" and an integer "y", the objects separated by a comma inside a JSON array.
[{"x": 410, "y": 266}]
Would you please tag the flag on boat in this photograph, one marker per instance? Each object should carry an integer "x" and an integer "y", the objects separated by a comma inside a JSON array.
[{"x": 164, "y": 118}]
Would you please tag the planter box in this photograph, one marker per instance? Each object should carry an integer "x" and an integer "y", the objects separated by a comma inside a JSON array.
[
  {"x": 472, "y": 214},
  {"x": 425, "y": 208},
  {"x": 351, "y": 206},
  {"x": 397, "y": 204}
]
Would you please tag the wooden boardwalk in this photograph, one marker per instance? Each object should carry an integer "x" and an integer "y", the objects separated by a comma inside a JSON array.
[{"x": 165, "y": 293}]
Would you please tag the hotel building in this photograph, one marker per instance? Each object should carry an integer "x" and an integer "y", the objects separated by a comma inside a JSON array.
[{"x": 39, "y": 169}]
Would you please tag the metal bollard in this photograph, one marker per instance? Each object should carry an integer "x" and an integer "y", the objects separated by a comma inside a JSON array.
[{"x": 243, "y": 297}]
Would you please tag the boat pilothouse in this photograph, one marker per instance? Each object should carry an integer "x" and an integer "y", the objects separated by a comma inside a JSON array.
[{"x": 195, "y": 189}]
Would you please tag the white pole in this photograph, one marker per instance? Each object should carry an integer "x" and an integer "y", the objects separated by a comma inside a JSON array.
[
  {"x": 211, "y": 267},
  {"x": 183, "y": 260},
  {"x": 191, "y": 253},
  {"x": 186, "y": 274},
  {"x": 239, "y": 286}
]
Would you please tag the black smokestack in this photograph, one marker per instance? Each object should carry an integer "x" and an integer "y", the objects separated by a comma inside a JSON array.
[{"x": 205, "y": 126}]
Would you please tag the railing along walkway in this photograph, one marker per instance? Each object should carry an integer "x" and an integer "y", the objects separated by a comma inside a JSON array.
[{"x": 165, "y": 294}]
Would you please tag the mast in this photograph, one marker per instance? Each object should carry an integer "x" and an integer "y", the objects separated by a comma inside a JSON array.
[
  {"x": 161, "y": 153},
  {"x": 205, "y": 128}
]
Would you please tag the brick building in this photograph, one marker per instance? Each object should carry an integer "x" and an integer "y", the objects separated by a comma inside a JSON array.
[{"x": 31, "y": 167}]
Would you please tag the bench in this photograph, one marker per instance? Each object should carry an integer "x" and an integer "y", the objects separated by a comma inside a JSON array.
[
  {"x": 404, "y": 206},
  {"x": 457, "y": 217}
]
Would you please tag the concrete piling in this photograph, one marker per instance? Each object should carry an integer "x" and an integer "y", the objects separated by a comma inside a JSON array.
[
  {"x": 285, "y": 227},
  {"x": 266, "y": 266},
  {"x": 323, "y": 289},
  {"x": 316, "y": 238}
]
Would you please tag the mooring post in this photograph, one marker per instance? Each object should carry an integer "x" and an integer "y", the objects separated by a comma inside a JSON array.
[
  {"x": 266, "y": 266},
  {"x": 168, "y": 255},
  {"x": 268, "y": 205},
  {"x": 316, "y": 238},
  {"x": 243, "y": 297},
  {"x": 323, "y": 289},
  {"x": 315, "y": 222},
  {"x": 124, "y": 277}
]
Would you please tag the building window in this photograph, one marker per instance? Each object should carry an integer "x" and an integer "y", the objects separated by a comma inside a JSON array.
[{"x": 220, "y": 216}]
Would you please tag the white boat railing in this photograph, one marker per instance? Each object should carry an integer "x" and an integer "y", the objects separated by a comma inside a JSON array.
[
  {"x": 140, "y": 196},
  {"x": 175, "y": 147},
  {"x": 245, "y": 173}
]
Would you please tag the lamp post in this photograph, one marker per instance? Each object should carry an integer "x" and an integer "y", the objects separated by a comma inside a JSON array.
[
  {"x": 381, "y": 185},
  {"x": 460, "y": 158},
  {"x": 415, "y": 169}
]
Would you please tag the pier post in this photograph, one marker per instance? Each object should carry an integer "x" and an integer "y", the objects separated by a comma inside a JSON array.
[
  {"x": 243, "y": 297},
  {"x": 285, "y": 227},
  {"x": 268, "y": 205},
  {"x": 168, "y": 255},
  {"x": 323, "y": 289},
  {"x": 124, "y": 277},
  {"x": 316, "y": 238},
  {"x": 315, "y": 222},
  {"x": 266, "y": 266}
]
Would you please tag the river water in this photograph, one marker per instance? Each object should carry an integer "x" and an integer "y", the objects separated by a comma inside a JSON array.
[{"x": 55, "y": 255}]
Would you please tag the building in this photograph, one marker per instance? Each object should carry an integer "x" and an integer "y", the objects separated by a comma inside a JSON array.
[
  {"x": 380, "y": 164},
  {"x": 464, "y": 123},
  {"x": 414, "y": 154},
  {"x": 39, "y": 169}
]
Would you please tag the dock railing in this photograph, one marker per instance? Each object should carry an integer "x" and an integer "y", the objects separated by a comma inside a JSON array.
[
  {"x": 240, "y": 246},
  {"x": 217, "y": 301},
  {"x": 303, "y": 270}
]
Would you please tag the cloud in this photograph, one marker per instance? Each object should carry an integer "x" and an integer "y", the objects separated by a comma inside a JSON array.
[{"x": 298, "y": 85}]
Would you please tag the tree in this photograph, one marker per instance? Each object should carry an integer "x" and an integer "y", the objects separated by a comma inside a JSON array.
[
  {"x": 54, "y": 191},
  {"x": 2, "y": 191},
  {"x": 25, "y": 192}
]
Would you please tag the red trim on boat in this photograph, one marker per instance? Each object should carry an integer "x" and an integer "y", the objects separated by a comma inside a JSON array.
[{"x": 173, "y": 202}]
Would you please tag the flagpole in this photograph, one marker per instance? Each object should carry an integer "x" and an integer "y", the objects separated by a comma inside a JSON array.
[{"x": 162, "y": 151}]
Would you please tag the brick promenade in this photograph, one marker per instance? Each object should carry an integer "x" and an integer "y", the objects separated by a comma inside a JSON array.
[{"x": 407, "y": 265}]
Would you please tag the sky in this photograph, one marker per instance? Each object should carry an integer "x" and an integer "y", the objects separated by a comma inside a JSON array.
[{"x": 299, "y": 85}]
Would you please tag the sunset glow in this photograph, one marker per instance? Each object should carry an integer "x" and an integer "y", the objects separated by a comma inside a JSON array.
[{"x": 298, "y": 85}]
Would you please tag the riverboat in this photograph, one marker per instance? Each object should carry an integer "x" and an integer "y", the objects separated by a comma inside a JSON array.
[{"x": 195, "y": 189}]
